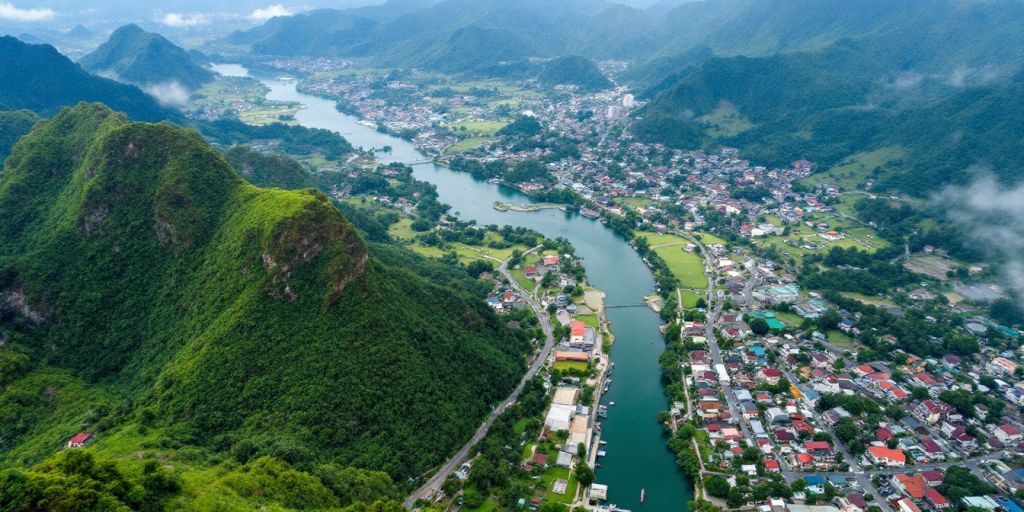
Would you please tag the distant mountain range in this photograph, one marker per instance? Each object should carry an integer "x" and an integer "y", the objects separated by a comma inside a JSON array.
[
  {"x": 39, "y": 78},
  {"x": 135, "y": 56}
]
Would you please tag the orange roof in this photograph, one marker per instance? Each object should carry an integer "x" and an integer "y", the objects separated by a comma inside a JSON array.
[
  {"x": 914, "y": 484},
  {"x": 881, "y": 452},
  {"x": 565, "y": 355},
  {"x": 578, "y": 328}
]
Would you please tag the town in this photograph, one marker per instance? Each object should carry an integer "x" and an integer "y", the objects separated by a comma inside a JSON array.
[{"x": 819, "y": 357}]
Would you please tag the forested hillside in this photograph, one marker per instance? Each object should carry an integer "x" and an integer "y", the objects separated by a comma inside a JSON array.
[
  {"x": 39, "y": 78},
  {"x": 828, "y": 105},
  {"x": 138, "y": 57},
  {"x": 166, "y": 303}
]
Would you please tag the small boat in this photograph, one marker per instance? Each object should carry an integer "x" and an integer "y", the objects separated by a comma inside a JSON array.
[
  {"x": 611, "y": 403},
  {"x": 643, "y": 494},
  {"x": 603, "y": 442},
  {"x": 600, "y": 453}
]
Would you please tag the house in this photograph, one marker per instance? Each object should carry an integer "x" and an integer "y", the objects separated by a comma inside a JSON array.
[
  {"x": 1008, "y": 433},
  {"x": 910, "y": 485},
  {"x": 883, "y": 456},
  {"x": 571, "y": 355},
  {"x": 771, "y": 375},
  {"x": 820, "y": 450},
  {"x": 853, "y": 503},
  {"x": 550, "y": 260},
  {"x": 577, "y": 330},
  {"x": 530, "y": 271},
  {"x": 905, "y": 505},
  {"x": 936, "y": 500},
  {"x": 79, "y": 440},
  {"x": 559, "y": 417}
]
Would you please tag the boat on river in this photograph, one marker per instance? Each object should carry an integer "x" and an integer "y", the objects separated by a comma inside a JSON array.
[{"x": 643, "y": 494}]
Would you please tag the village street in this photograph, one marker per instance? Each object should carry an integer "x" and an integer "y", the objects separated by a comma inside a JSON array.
[{"x": 435, "y": 482}]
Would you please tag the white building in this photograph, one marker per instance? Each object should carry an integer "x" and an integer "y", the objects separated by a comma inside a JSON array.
[{"x": 628, "y": 101}]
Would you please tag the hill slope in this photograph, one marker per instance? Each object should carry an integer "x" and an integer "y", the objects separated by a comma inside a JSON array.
[
  {"x": 574, "y": 70},
  {"x": 831, "y": 104},
  {"x": 255, "y": 320},
  {"x": 142, "y": 58},
  {"x": 39, "y": 78}
]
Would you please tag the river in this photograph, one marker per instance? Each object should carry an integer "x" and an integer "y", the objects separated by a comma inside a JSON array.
[{"x": 637, "y": 457}]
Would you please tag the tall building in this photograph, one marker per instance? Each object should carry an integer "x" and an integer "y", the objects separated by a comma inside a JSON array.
[{"x": 628, "y": 101}]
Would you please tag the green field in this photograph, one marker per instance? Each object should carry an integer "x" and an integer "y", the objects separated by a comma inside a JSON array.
[
  {"x": 590, "y": 320},
  {"x": 478, "y": 127},
  {"x": 686, "y": 266},
  {"x": 466, "y": 145},
  {"x": 690, "y": 298},
  {"x": 554, "y": 475},
  {"x": 571, "y": 365},
  {"x": 840, "y": 338},
  {"x": 857, "y": 168},
  {"x": 726, "y": 121},
  {"x": 524, "y": 282}
]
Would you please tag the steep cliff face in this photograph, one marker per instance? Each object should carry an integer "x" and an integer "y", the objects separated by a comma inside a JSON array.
[{"x": 134, "y": 256}]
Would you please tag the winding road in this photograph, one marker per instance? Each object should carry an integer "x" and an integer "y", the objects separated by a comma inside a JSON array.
[{"x": 460, "y": 457}]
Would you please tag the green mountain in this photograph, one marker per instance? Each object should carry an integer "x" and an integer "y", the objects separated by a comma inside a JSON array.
[
  {"x": 472, "y": 47},
  {"x": 14, "y": 124},
  {"x": 574, "y": 70},
  {"x": 264, "y": 170},
  {"x": 143, "y": 58},
  {"x": 835, "y": 104},
  {"x": 39, "y": 78},
  {"x": 169, "y": 305}
]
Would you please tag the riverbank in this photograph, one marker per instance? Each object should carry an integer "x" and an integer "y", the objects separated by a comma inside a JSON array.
[
  {"x": 637, "y": 458},
  {"x": 528, "y": 207}
]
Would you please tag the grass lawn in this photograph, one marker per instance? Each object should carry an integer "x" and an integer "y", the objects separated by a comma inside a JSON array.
[
  {"x": 857, "y": 168},
  {"x": 477, "y": 127},
  {"x": 868, "y": 299},
  {"x": 656, "y": 239},
  {"x": 590, "y": 320},
  {"x": 710, "y": 239},
  {"x": 690, "y": 298},
  {"x": 790, "y": 319},
  {"x": 686, "y": 266},
  {"x": 635, "y": 201},
  {"x": 402, "y": 229},
  {"x": 571, "y": 365},
  {"x": 524, "y": 282},
  {"x": 840, "y": 338},
  {"x": 554, "y": 475},
  {"x": 466, "y": 145},
  {"x": 726, "y": 121}
]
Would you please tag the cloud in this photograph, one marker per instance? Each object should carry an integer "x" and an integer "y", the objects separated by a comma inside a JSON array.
[
  {"x": 174, "y": 19},
  {"x": 10, "y": 12},
  {"x": 268, "y": 12},
  {"x": 992, "y": 216},
  {"x": 169, "y": 94},
  {"x": 905, "y": 80}
]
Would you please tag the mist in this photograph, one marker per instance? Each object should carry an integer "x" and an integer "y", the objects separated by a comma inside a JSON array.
[
  {"x": 992, "y": 216},
  {"x": 169, "y": 94}
]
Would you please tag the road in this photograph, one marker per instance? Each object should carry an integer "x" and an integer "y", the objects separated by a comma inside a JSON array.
[
  {"x": 436, "y": 481},
  {"x": 714, "y": 310}
]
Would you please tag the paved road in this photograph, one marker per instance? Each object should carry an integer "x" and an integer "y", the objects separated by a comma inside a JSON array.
[{"x": 462, "y": 455}]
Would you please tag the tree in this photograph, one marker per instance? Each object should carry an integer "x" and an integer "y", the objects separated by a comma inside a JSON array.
[
  {"x": 717, "y": 486},
  {"x": 759, "y": 326},
  {"x": 584, "y": 474}
]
